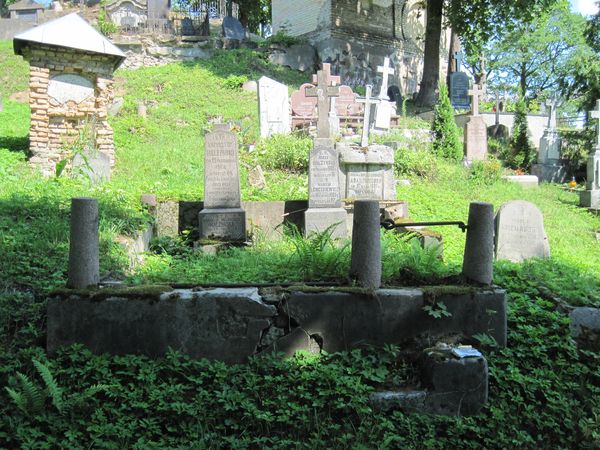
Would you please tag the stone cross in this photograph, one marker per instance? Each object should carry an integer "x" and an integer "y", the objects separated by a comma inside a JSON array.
[
  {"x": 458, "y": 57},
  {"x": 474, "y": 93},
  {"x": 551, "y": 104},
  {"x": 595, "y": 114},
  {"x": 324, "y": 91},
  {"x": 385, "y": 70},
  {"x": 368, "y": 101}
]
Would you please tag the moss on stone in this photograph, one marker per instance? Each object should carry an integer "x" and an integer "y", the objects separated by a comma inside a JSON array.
[{"x": 153, "y": 291}]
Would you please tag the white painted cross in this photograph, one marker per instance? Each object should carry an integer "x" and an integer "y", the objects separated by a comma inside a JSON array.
[
  {"x": 368, "y": 101},
  {"x": 474, "y": 93},
  {"x": 595, "y": 114},
  {"x": 385, "y": 70}
]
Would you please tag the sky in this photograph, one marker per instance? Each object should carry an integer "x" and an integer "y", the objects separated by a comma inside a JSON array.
[{"x": 585, "y": 7}]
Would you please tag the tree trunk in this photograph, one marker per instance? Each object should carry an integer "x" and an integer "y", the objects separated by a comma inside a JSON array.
[
  {"x": 431, "y": 66},
  {"x": 523, "y": 79}
]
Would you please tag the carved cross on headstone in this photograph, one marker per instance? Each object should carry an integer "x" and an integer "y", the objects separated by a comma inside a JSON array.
[
  {"x": 368, "y": 101},
  {"x": 474, "y": 93},
  {"x": 385, "y": 70},
  {"x": 595, "y": 114},
  {"x": 324, "y": 90},
  {"x": 551, "y": 104}
]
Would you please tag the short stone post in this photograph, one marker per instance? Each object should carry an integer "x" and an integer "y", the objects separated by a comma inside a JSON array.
[
  {"x": 366, "y": 245},
  {"x": 84, "y": 260},
  {"x": 479, "y": 248}
]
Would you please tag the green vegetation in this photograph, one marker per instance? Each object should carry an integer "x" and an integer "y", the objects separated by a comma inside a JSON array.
[
  {"x": 446, "y": 134},
  {"x": 544, "y": 391},
  {"x": 522, "y": 152}
]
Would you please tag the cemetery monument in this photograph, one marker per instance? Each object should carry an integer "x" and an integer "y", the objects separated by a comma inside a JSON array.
[
  {"x": 273, "y": 107},
  {"x": 459, "y": 86},
  {"x": 71, "y": 88},
  {"x": 475, "y": 130},
  {"x": 590, "y": 198},
  {"x": 222, "y": 217},
  {"x": 548, "y": 167},
  {"x": 384, "y": 108}
]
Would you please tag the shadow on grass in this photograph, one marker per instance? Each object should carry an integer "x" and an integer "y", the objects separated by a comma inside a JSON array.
[{"x": 16, "y": 144}]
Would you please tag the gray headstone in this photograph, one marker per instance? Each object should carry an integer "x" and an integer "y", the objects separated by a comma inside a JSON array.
[
  {"x": 273, "y": 106},
  {"x": 323, "y": 184},
  {"x": 187, "y": 27},
  {"x": 367, "y": 174},
  {"x": 459, "y": 87},
  {"x": 233, "y": 29},
  {"x": 366, "y": 244},
  {"x": 478, "y": 259},
  {"x": 520, "y": 232},
  {"x": 221, "y": 169},
  {"x": 222, "y": 217},
  {"x": 92, "y": 165}
]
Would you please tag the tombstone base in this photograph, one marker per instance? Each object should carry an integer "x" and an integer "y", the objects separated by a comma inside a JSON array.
[
  {"x": 589, "y": 199},
  {"x": 222, "y": 224},
  {"x": 317, "y": 220},
  {"x": 550, "y": 173}
]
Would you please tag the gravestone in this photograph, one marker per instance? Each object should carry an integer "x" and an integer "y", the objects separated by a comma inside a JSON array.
[
  {"x": 384, "y": 109},
  {"x": 367, "y": 173},
  {"x": 459, "y": 88},
  {"x": 368, "y": 102},
  {"x": 520, "y": 232},
  {"x": 303, "y": 106},
  {"x": 475, "y": 137},
  {"x": 346, "y": 104},
  {"x": 549, "y": 167},
  {"x": 324, "y": 91},
  {"x": 93, "y": 165},
  {"x": 222, "y": 217},
  {"x": 498, "y": 131},
  {"x": 395, "y": 95},
  {"x": 590, "y": 198},
  {"x": 187, "y": 27},
  {"x": 273, "y": 107},
  {"x": 324, "y": 201},
  {"x": 233, "y": 29}
]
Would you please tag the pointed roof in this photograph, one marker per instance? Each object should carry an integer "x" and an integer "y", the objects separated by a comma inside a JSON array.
[
  {"x": 70, "y": 31},
  {"x": 24, "y": 5}
]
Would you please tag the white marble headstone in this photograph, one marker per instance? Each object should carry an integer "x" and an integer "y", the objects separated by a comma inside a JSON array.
[
  {"x": 70, "y": 87},
  {"x": 273, "y": 106}
]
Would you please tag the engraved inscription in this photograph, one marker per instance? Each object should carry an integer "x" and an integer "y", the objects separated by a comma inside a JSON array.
[
  {"x": 223, "y": 225},
  {"x": 364, "y": 184},
  {"x": 221, "y": 171},
  {"x": 70, "y": 87},
  {"x": 324, "y": 182}
]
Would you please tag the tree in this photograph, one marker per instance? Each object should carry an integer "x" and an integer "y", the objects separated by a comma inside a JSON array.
[
  {"x": 446, "y": 142},
  {"x": 522, "y": 152},
  {"x": 254, "y": 12},
  {"x": 536, "y": 55},
  {"x": 476, "y": 21}
]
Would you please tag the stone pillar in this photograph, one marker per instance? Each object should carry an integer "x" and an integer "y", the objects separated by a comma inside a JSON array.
[
  {"x": 84, "y": 260},
  {"x": 366, "y": 244},
  {"x": 479, "y": 248}
]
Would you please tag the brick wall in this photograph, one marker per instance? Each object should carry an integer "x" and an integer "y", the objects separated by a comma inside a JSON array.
[{"x": 55, "y": 125}]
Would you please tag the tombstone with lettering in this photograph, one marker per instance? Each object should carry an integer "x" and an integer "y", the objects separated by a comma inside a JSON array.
[
  {"x": 520, "y": 232},
  {"x": 549, "y": 167},
  {"x": 475, "y": 136},
  {"x": 222, "y": 217},
  {"x": 324, "y": 200},
  {"x": 273, "y": 107},
  {"x": 459, "y": 88},
  {"x": 590, "y": 198}
]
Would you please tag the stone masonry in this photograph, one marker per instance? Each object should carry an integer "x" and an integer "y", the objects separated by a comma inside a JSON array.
[{"x": 54, "y": 125}]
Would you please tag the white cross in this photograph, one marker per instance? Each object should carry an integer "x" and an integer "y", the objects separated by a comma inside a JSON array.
[
  {"x": 595, "y": 114},
  {"x": 385, "y": 70},
  {"x": 368, "y": 101},
  {"x": 474, "y": 93}
]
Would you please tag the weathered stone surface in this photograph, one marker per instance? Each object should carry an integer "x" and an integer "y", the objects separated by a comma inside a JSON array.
[
  {"x": 550, "y": 173},
  {"x": 520, "y": 232},
  {"x": 167, "y": 219},
  {"x": 459, "y": 387},
  {"x": 323, "y": 182},
  {"x": 222, "y": 223},
  {"x": 221, "y": 170},
  {"x": 365, "y": 264},
  {"x": 523, "y": 180},
  {"x": 84, "y": 244},
  {"x": 406, "y": 401},
  {"x": 585, "y": 327},
  {"x": 298, "y": 57},
  {"x": 367, "y": 174},
  {"x": 319, "y": 219},
  {"x": 475, "y": 139},
  {"x": 273, "y": 107},
  {"x": 95, "y": 166},
  {"x": 297, "y": 339},
  {"x": 233, "y": 29},
  {"x": 348, "y": 320},
  {"x": 256, "y": 178},
  {"x": 223, "y": 324}
]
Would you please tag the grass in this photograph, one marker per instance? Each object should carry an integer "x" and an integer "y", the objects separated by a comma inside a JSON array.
[{"x": 544, "y": 391}]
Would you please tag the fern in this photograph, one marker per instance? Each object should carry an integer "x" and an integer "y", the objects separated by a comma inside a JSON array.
[
  {"x": 52, "y": 388},
  {"x": 30, "y": 399}
]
